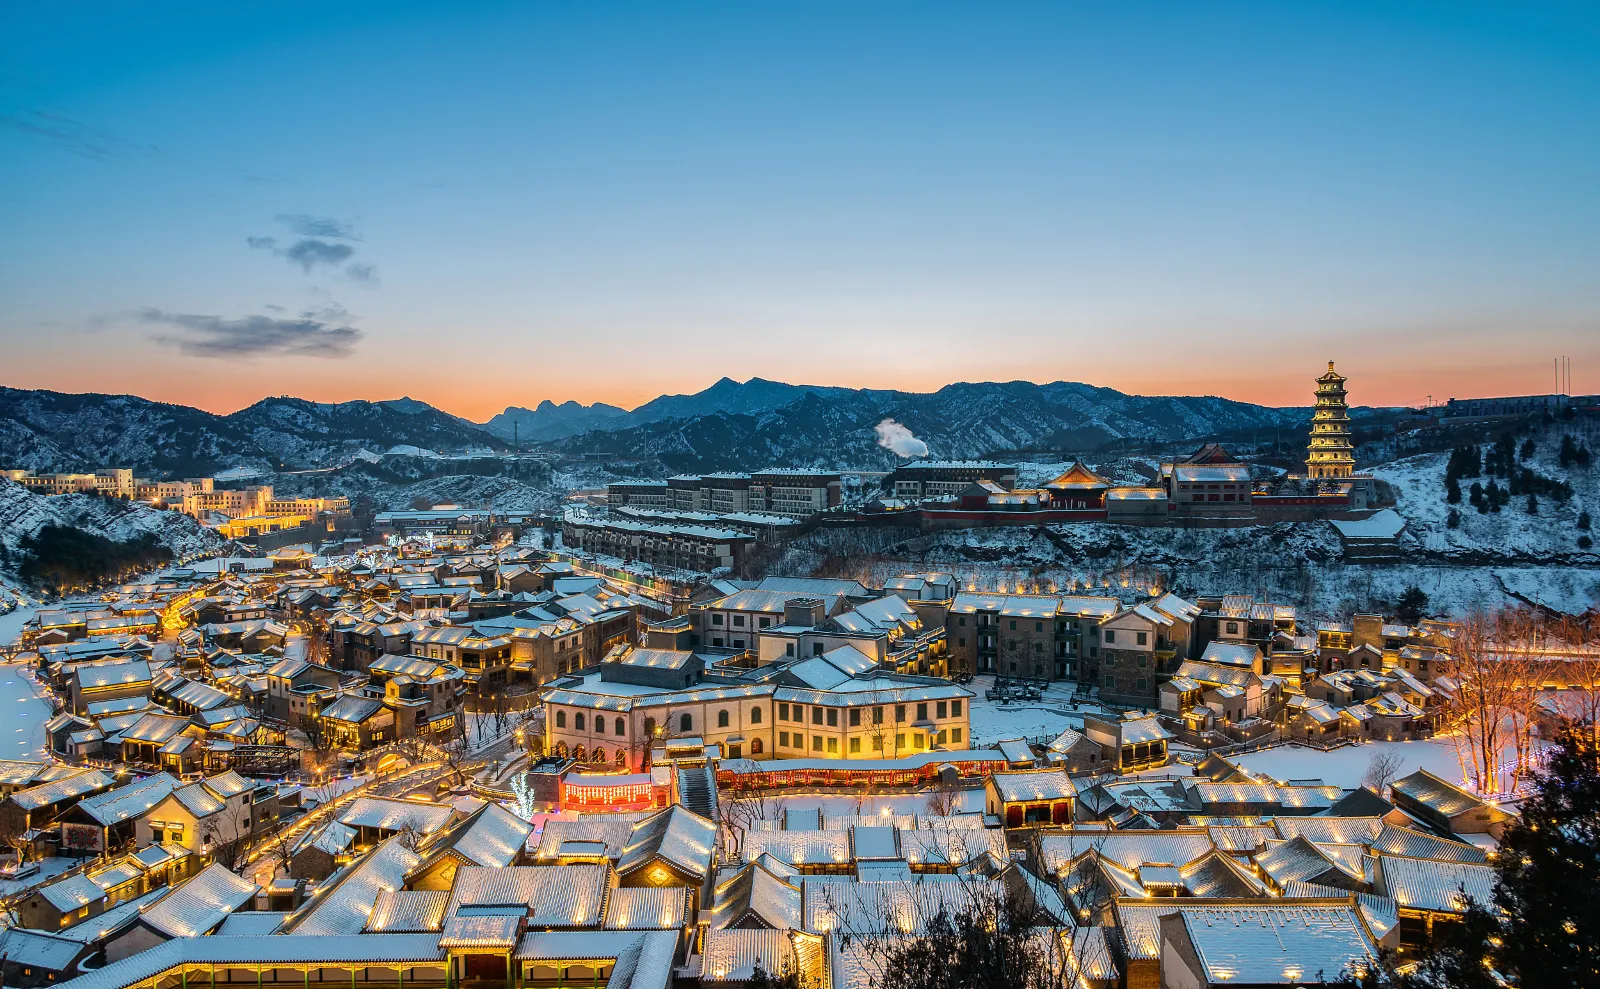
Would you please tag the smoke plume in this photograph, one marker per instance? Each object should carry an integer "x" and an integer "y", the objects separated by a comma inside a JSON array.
[{"x": 893, "y": 436}]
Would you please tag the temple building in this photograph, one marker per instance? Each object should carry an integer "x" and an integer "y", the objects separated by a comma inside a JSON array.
[{"x": 1330, "y": 455}]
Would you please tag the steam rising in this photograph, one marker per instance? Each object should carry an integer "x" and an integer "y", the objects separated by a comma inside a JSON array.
[{"x": 893, "y": 436}]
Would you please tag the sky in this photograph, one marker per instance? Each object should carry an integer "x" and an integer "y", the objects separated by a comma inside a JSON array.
[{"x": 482, "y": 205}]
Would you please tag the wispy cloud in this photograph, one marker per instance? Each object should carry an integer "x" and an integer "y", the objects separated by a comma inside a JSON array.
[
  {"x": 318, "y": 245},
  {"x": 328, "y": 227},
  {"x": 72, "y": 136},
  {"x": 323, "y": 332}
]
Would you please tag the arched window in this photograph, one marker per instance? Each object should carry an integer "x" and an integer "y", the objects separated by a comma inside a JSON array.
[
  {"x": 685, "y": 723},
  {"x": 580, "y": 753},
  {"x": 599, "y": 724},
  {"x": 755, "y": 715},
  {"x": 722, "y": 719},
  {"x": 621, "y": 726},
  {"x": 578, "y": 721},
  {"x": 755, "y": 746},
  {"x": 622, "y": 758},
  {"x": 561, "y": 719},
  {"x": 599, "y": 756}
]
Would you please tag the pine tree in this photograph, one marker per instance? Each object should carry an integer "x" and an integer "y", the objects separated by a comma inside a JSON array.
[
  {"x": 1533, "y": 503},
  {"x": 1452, "y": 491},
  {"x": 1453, "y": 520},
  {"x": 1583, "y": 520},
  {"x": 1412, "y": 604},
  {"x": 1528, "y": 447},
  {"x": 1475, "y": 493}
]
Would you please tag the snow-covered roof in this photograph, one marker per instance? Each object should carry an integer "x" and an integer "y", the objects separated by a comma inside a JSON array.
[
  {"x": 128, "y": 801},
  {"x": 677, "y": 836},
  {"x": 344, "y": 900},
  {"x": 201, "y": 903},
  {"x": 1422, "y": 884},
  {"x": 396, "y": 815},
  {"x": 141, "y": 967},
  {"x": 1034, "y": 785},
  {"x": 550, "y": 895}
]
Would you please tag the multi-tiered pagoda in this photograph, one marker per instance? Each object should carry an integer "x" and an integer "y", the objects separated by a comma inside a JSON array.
[{"x": 1331, "y": 453}]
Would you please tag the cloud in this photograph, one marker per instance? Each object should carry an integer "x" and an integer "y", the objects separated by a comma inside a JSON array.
[
  {"x": 323, "y": 332},
  {"x": 893, "y": 436},
  {"x": 329, "y": 227},
  {"x": 262, "y": 243},
  {"x": 71, "y": 136},
  {"x": 309, "y": 253},
  {"x": 365, "y": 273}
]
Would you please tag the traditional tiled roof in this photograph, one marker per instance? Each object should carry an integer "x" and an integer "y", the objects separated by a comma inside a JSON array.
[{"x": 201, "y": 903}]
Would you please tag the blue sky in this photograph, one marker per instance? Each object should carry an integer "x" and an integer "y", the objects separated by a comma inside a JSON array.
[{"x": 511, "y": 202}]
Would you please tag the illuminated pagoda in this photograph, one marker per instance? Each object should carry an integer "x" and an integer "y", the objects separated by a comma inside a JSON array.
[{"x": 1331, "y": 453}]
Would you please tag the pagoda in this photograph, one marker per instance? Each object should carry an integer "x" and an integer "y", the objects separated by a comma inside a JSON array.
[{"x": 1331, "y": 452}]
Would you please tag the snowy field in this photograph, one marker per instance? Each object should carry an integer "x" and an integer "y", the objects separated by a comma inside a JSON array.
[
  {"x": 1046, "y": 718},
  {"x": 1345, "y": 767},
  {"x": 48, "y": 869},
  {"x": 25, "y": 716},
  {"x": 12, "y": 621}
]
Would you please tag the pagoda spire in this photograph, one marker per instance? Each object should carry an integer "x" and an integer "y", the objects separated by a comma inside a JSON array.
[{"x": 1331, "y": 454}]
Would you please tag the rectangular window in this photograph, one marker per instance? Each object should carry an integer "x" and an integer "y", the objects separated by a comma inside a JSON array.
[
  {"x": 900, "y": 740},
  {"x": 1142, "y": 683},
  {"x": 855, "y": 717},
  {"x": 783, "y": 739},
  {"x": 816, "y": 715},
  {"x": 833, "y": 718},
  {"x": 816, "y": 743},
  {"x": 1038, "y": 626},
  {"x": 955, "y": 736},
  {"x": 1143, "y": 638},
  {"x": 940, "y": 738},
  {"x": 1111, "y": 682},
  {"x": 877, "y": 743},
  {"x": 738, "y": 621},
  {"x": 1111, "y": 635},
  {"x": 942, "y": 708},
  {"x": 877, "y": 715},
  {"x": 922, "y": 712},
  {"x": 899, "y": 712},
  {"x": 788, "y": 649},
  {"x": 917, "y": 741},
  {"x": 1013, "y": 624},
  {"x": 962, "y": 621},
  {"x": 1141, "y": 662},
  {"x": 783, "y": 711},
  {"x": 716, "y": 619},
  {"x": 955, "y": 709},
  {"x": 855, "y": 746},
  {"x": 716, "y": 640}
]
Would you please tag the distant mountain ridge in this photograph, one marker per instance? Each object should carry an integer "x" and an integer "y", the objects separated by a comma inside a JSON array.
[
  {"x": 729, "y": 425},
  {"x": 52, "y": 431}
]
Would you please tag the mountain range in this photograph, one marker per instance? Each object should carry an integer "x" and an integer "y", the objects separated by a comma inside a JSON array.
[{"x": 730, "y": 425}]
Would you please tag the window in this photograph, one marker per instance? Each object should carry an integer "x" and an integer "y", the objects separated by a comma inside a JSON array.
[
  {"x": 722, "y": 719},
  {"x": 1142, "y": 638},
  {"x": 1111, "y": 682},
  {"x": 855, "y": 746},
  {"x": 788, "y": 648},
  {"x": 716, "y": 640},
  {"x": 816, "y": 715},
  {"x": 1038, "y": 626},
  {"x": 1111, "y": 635},
  {"x": 816, "y": 743},
  {"x": 942, "y": 708},
  {"x": 755, "y": 715},
  {"x": 877, "y": 715},
  {"x": 738, "y": 621},
  {"x": 716, "y": 619},
  {"x": 877, "y": 743},
  {"x": 577, "y": 722},
  {"x": 816, "y": 648},
  {"x": 599, "y": 724},
  {"x": 738, "y": 643},
  {"x": 783, "y": 712},
  {"x": 1013, "y": 624},
  {"x": 755, "y": 746},
  {"x": 918, "y": 742},
  {"x": 1233, "y": 628},
  {"x": 900, "y": 740},
  {"x": 855, "y": 717},
  {"x": 1142, "y": 683},
  {"x": 899, "y": 712},
  {"x": 1141, "y": 662},
  {"x": 561, "y": 719},
  {"x": 685, "y": 722},
  {"x": 955, "y": 709},
  {"x": 940, "y": 738},
  {"x": 922, "y": 712},
  {"x": 621, "y": 727},
  {"x": 783, "y": 739},
  {"x": 955, "y": 735},
  {"x": 962, "y": 621},
  {"x": 833, "y": 718},
  {"x": 765, "y": 622},
  {"x": 833, "y": 746}
]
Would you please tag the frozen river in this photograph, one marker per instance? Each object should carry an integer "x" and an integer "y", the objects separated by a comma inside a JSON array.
[{"x": 22, "y": 724}]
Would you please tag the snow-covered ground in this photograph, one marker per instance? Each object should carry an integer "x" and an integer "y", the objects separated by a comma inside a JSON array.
[
  {"x": 1345, "y": 767},
  {"x": 12, "y": 621},
  {"x": 23, "y": 713},
  {"x": 1045, "y": 718}
]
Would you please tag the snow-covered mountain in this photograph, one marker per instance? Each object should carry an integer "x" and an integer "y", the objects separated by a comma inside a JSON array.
[
  {"x": 550, "y": 421},
  {"x": 46, "y": 430},
  {"x": 733, "y": 425}
]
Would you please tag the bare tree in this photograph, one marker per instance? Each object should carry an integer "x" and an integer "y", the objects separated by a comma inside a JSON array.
[
  {"x": 739, "y": 810},
  {"x": 943, "y": 799},
  {"x": 225, "y": 835},
  {"x": 1382, "y": 769}
]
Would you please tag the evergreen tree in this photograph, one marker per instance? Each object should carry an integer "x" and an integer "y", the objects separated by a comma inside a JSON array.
[
  {"x": 1412, "y": 604},
  {"x": 1475, "y": 493},
  {"x": 1533, "y": 503},
  {"x": 1526, "y": 453},
  {"x": 1452, "y": 491},
  {"x": 1583, "y": 520},
  {"x": 1584, "y": 542},
  {"x": 1453, "y": 520}
]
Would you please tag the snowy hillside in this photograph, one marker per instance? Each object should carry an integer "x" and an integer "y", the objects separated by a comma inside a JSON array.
[{"x": 1510, "y": 535}]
